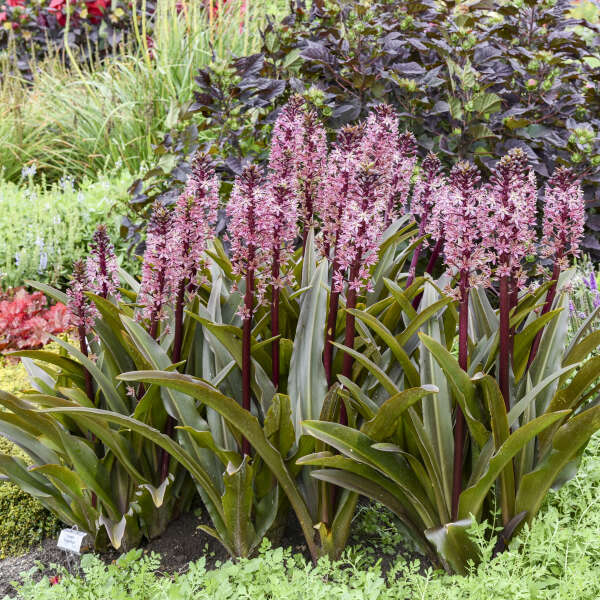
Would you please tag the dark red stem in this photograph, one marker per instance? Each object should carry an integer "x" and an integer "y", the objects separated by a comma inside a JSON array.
[
  {"x": 246, "y": 350},
  {"x": 435, "y": 254},
  {"x": 275, "y": 320},
  {"x": 349, "y": 335},
  {"x": 459, "y": 427},
  {"x": 416, "y": 255},
  {"x": 89, "y": 388},
  {"x": 551, "y": 294},
  {"x": 334, "y": 302},
  {"x": 505, "y": 351},
  {"x": 176, "y": 357}
]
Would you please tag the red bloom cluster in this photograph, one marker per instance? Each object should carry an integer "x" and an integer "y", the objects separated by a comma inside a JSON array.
[
  {"x": 26, "y": 320},
  {"x": 90, "y": 10},
  {"x": 95, "y": 10}
]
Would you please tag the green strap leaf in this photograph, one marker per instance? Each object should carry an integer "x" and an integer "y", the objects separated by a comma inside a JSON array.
[
  {"x": 472, "y": 498},
  {"x": 383, "y": 424},
  {"x": 412, "y": 375}
]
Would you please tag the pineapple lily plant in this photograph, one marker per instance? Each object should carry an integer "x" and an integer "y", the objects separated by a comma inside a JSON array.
[{"x": 365, "y": 326}]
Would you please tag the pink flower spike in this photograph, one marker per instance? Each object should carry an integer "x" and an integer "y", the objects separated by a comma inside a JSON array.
[
  {"x": 338, "y": 185},
  {"x": 102, "y": 267},
  {"x": 361, "y": 229},
  {"x": 464, "y": 213},
  {"x": 429, "y": 197},
  {"x": 250, "y": 227},
  {"x": 156, "y": 289},
  {"x": 311, "y": 163},
  {"x": 509, "y": 232},
  {"x": 83, "y": 312},
  {"x": 282, "y": 185},
  {"x": 393, "y": 155},
  {"x": 564, "y": 215},
  {"x": 193, "y": 223}
]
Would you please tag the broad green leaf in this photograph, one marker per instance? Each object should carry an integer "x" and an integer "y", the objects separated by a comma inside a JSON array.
[
  {"x": 472, "y": 498},
  {"x": 384, "y": 423},
  {"x": 48, "y": 290},
  {"x": 462, "y": 387},
  {"x": 358, "y": 446},
  {"x": 237, "y": 507},
  {"x": 164, "y": 441},
  {"x": 307, "y": 382},
  {"x": 524, "y": 339},
  {"x": 454, "y": 544},
  {"x": 246, "y": 423},
  {"x": 567, "y": 442},
  {"x": 113, "y": 397},
  {"x": 500, "y": 433},
  {"x": 375, "y": 370},
  {"x": 410, "y": 371}
]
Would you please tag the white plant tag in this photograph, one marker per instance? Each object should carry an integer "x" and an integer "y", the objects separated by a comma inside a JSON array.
[{"x": 71, "y": 540}]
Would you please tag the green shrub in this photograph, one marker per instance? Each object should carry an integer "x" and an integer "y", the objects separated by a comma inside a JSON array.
[
  {"x": 43, "y": 230},
  {"x": 24, "y": 522}
]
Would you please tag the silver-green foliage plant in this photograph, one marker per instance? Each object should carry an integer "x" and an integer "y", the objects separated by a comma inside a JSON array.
[{"x": 311, "y": 364}]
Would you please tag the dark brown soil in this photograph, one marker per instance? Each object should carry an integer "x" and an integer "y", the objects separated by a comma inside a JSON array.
[{"x": 179, "y": 545}]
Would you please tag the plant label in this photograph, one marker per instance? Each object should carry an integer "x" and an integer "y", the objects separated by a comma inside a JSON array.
[{"x": 72, "y": 540}]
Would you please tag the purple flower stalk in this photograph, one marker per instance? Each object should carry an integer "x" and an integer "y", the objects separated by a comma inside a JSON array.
[
  {"x": 101, "y": 265},
  {"x": 428, "y": 198},
  {"x": 83, "y": 314},
  {"x": 338, "y": 184},
  {"x": 564, "y": 220},
  {"x": 362, "y": 227},
  {"x": 250, "y": 222},
  {"x": 311, "y": 163},
  {"x": 282, "y": 207},
  {"x": 156, "y": 288},
  {"x": 464, "y": 210},
  {"x": 509, "y": 233},
  {"x": 193, "y": 223}
]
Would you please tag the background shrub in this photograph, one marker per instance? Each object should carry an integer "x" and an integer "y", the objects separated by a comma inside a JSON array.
[
  {"x": 24, "y": 522},
  {"x": 112, "y": 110},
  {"x": 470, "y": 82},
  {"x": 44, "y": 230},
  {"x": 30, "y": 30}
]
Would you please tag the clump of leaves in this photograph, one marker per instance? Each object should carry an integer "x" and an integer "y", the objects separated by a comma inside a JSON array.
[{"x": 26, "y": 320}]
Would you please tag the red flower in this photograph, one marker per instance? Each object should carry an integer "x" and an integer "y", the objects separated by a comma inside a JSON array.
[
  {"x": 96, "y": 9},
  {"x": 54, "y": 580},
  {"x": 56, "y": 7}
]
